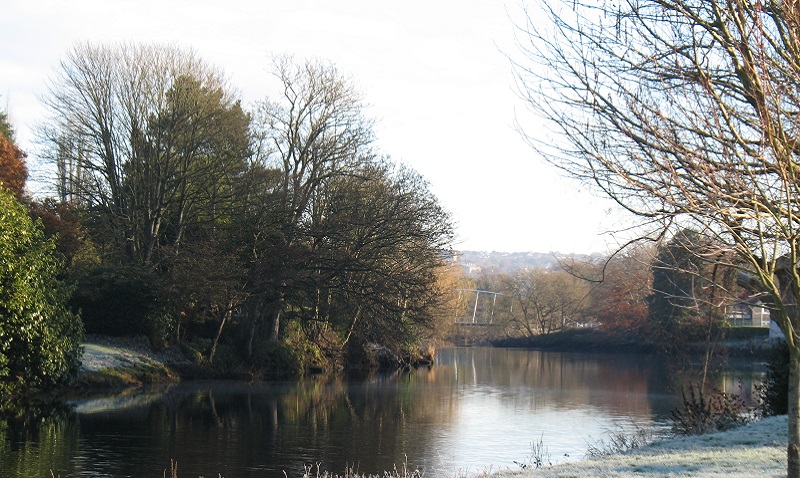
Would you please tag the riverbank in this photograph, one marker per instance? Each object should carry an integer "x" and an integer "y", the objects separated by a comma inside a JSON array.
[
  {"x": 481, "y": 418},
  {"x": 114, "y": 363},
  {"x": 756, "y": 449},
  {"x": 592, "y": 340}
]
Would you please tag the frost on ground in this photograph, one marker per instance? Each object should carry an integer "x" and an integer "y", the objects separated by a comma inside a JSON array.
[
  {"x": 109, "y": 353},
  {"x": 757, "y": 449},
  {"x": 97, "y": 357}
]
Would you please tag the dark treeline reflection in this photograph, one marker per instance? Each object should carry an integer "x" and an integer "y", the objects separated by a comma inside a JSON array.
[
  {"x": 235, "y": 429},
  {"x": 622, "y": 383},
  {"x": 634, "y": 384},
  {"x": 475, "y": 406}
]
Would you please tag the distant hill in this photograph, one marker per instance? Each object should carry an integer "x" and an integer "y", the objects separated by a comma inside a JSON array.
[{"x": 476, "y": 262}]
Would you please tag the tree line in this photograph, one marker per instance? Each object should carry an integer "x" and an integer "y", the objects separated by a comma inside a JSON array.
[
  {"x": 655, "y": 295},
  {"x": 277, "y": 233}
]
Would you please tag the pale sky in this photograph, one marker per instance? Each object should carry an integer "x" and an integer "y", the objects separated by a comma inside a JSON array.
[{"x": 434, "y": 72}]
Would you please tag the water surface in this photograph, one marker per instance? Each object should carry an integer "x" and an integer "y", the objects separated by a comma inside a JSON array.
[{"x": 475, "y": 408}]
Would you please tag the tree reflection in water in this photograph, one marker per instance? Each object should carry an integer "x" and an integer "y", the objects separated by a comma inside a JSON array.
[{"x": 475, "y": 408}]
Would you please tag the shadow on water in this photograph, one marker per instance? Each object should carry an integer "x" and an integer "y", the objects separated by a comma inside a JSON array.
[{"x": 475, "y": 408}]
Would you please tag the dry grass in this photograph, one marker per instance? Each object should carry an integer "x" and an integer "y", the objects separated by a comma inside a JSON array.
[
  {"x": 621, "y": 441},
  {"x": 124, "y": 377},
  {"x": 315, "y": 471}
]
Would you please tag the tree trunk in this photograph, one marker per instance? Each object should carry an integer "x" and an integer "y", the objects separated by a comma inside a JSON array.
[
  {"x": 254, "y": 316},
  {"x": 793, "y": 447},
  {"x": 222, "y": 322},
  {"x": 275, "y": 328},
  {"x": 251, "y": 334}
]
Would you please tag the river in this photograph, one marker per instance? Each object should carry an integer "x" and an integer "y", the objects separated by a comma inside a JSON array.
[{"x": 474, "y": 409}]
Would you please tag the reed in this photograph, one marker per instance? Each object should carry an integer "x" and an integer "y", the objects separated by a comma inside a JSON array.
[{"x": 316, "y": 471}]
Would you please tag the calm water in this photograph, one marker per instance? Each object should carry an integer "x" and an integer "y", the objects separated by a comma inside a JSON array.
[{"x": 475, "y": 408}]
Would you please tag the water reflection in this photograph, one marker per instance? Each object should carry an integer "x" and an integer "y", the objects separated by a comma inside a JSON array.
[{"x": 474, "y": 408}]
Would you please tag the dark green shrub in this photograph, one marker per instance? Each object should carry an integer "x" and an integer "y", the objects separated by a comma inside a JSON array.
[
  {"x": 116, "y": 301},
  {"x": 775, "y": 391},
  {"x": 39, "y": 337},
  {"x": 159, "y": 326},
  {"x": 195, "y": 349},
  {"x": 277, "y": 358},
  {"x": 747, "y": 333},
  {"x": 198, "y": 350}
]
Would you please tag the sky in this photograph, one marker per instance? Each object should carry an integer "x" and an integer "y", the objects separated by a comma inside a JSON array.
[{"x": 435, "y": 74}]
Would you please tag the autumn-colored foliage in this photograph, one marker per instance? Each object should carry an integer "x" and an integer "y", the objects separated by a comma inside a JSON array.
[
  {"x": 62, "y": 220},
  {"x": 619, "y": 302},
  {"x": 13, "y": 171}
]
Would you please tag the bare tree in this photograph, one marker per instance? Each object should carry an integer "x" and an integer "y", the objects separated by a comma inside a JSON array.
[
  {"x": 691, "y": 290},
  {"x": 618, "y": 300},
  {"x": 140, "y": 135},
  {"x": 545, "y": 301},
  {"x": 685, "y": 112},
  {"x": 378, "y": 250},
  {"x": 352, "y": 246},
  {"x": 314, "y": 133}
]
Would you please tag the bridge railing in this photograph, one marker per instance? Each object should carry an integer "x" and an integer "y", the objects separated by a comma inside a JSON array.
[{"x": 478, "y": 311}]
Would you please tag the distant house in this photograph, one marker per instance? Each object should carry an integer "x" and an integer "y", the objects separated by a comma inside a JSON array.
[{"x": 748, "y": 311}]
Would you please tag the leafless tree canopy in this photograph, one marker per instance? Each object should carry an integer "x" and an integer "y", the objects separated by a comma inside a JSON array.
[
  {"x": 681, "y": 111},
  {"x": 686, "y": 113},
  {"x": 314, "y": 132},
  {"x": 545, "y": 301}
]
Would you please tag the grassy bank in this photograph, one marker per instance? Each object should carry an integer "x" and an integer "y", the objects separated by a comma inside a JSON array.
[
  {"x": 124, "y": 377},
  {"x": 578, "y": 340},
  {"x": 757, "y": 449},
  {"x": 118, "y": 363}
]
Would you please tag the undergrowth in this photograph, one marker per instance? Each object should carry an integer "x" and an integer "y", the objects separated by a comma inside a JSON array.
[
  {"x": 539, "y": 457},
  {"x": 620, "y": 441},
  {"x": 701, "y": 413}
]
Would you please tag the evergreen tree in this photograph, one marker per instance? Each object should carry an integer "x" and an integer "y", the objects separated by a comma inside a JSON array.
[
  {"x": 40, "y": 343},
  {"x": 5, "y": 127},
  {"x": 675, "y": 273}
]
